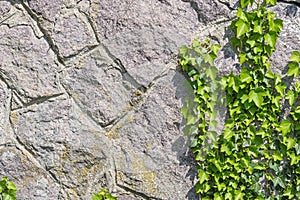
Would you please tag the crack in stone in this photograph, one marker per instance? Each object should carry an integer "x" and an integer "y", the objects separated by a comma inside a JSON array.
[
  {"x": 195, "y": 6},
  {"x": 42, "y": 99},
  {"x": 28, "y": 152},
  {"x": 165, "y": 2},
  {"x": 296, "y": 3},
  {"x": 92, "y": 24},
  {"x": 125, "y": 75},
  {"x": 18, "y": 94},
  {"x": 132, "y": 191},
  {"x": 88, "y": 114},
  {"x": 142, "y": 97},
  {"x": 1, "y": 22},
  {"x": 46, "y": 36},
  {"x": 9, "y": 83},
  {"x": 144, "y": 196},
  {"x": 84, "y": 50},
  {"x": 62, "y": 185},
  {"x": 227, "y": 4}
]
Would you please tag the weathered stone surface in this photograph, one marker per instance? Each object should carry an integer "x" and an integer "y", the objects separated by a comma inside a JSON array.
[
  {"x": 99, "y": 87},
  {"x": 72, "y": 33},
  {"x": 32, "y": 182},
  {"x": 90, "y": 97},
  {"x": 69, "y": 29},
  {"x": 5, "y": 128},
  {"x": 152, "y": 146},
  {"x": 28, "y": 65},
  {"x": 208, "y": 11},
  {"x": 48, "y": 9},
  {"x": 144, "y": 34},
  {"x": 4, "y": 7},
  {"x": 66, "y": 143}
]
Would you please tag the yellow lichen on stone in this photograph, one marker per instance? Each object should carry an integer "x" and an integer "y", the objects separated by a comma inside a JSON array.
[
  {"x": 13, "y": 117},
  {"x": 137, "y": 93},
  {"x": 113, "y": 134},
  {"x": 148, "y": 177}
]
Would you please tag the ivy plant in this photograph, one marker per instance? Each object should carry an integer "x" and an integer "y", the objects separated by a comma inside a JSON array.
[
  {"x": 103, "y": 194},
  {"x": 257, "y": 153},
  {"x": 7, "y": 189}
]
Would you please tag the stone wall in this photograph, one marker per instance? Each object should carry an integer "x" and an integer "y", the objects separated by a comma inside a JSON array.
[{"x": 90, "y": 93}]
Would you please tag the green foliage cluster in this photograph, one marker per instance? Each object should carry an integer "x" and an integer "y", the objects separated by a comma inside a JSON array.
[
  {"x": 103, "y": 194},
  {"x": 258, "y": 154},
  {"x": 7, "y": 189}
]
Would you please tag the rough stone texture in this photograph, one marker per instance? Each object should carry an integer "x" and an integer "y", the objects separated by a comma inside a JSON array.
[
  {"x": 69, "y": 146},
  {"x": 47, "y": 9},
  {"x": 150, "y": 141},
  {"x": 29, "y": 66},
  {"x": 90, "y": 94},
  {"x": 32, "y": 181},
  {"x": 289, "y": 39},
  {"x": 144, "y": 34},
  {"x": 98, "y": 86},
  {"x": 4, "y": 7},
  {"x": 64, "y": 26},
  {"x": 4, "y": 110}
]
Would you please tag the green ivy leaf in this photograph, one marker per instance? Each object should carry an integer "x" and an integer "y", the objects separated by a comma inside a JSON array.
[
  {"x": 291, "y": 97},
  {"x": 202, "y": 188},
  {"x": 272, "y": 2},
  {"x": 203, "y": 176},
  {"x": 194, "y": 142},
  {"x": 288, "y": 193},
  {"x": 183, "y": 51},
  {"x": 257, "y": 98},
  {"x": 277, "y": 156},
  {"x": 245, "y": 3},
  {"x": 215, "y": 48},
  {"x": 280, "y": 88},
  {"x": 278, "y": 181},
  {"x": 295, "y": 57},
  {"x": 191, "y": 119},
  {"x": 257, "y": 27},
  {"x": 294, "y": 159},
  {"x": 276, "y": 25},
  {"x": 242, "y": 28},
  {"x": 228, "y": 134},
  {"x": 239, "y": 195},
  {"x": 270, "y": 74},
  {"x": 211, "y": 72},
  {"x": 245, "y": 76},
  {"x": 294, "y": 69},
  {"x": 274, "y": 166},
  {"x": 228, "y": 196},
  {"x": 243, "y": 58},
  {"x": 289, "y": 142},
  {"x": 11, "y": 186},
  {"x": 285, "y": 127},
  {"x": 8, "y": 197},
  {"x": 271, "y": 38},
  {"x": 236, "y": 43},
  {"x": 252, "y": 43},
  {"x": 209, "y": 58},
  {"x": 241, "y": 14}
]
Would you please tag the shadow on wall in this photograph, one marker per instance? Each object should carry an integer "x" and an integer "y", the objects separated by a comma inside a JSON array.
[{"x": 181, "y": 146}]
